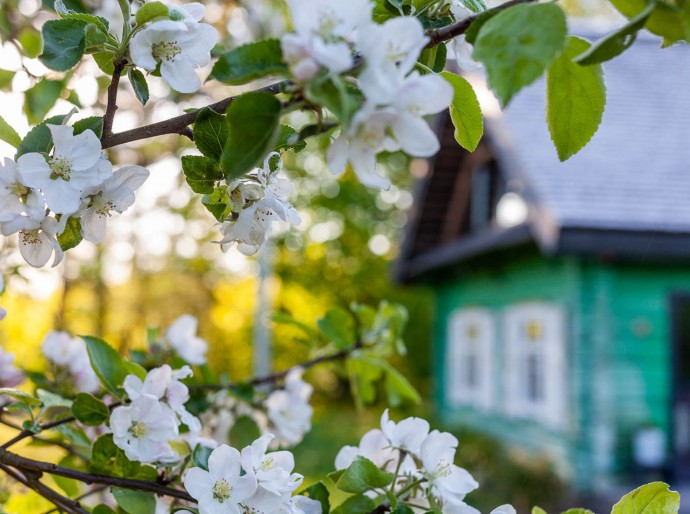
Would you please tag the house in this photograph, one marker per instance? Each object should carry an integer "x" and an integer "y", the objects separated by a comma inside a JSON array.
[{"x": 563, "y": 289}]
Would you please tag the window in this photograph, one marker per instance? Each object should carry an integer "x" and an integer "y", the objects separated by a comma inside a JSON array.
[
  {"x": 535, "y": 363},
  {"x": 469, "y": 370}
]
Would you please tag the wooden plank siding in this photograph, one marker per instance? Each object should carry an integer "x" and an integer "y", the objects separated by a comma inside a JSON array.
[{"x": 618, "y": 351}]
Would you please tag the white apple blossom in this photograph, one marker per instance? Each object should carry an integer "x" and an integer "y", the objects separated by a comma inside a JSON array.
[
  {"x": 70, "y": 353},
  {"x": 222, "y": 488},
  {"x": 463, "y": 55},
  {"x": 390, "y": 52},
  {"x": 303, "y": 505},
  {"x": 360, "y": 143},
  {"x": 76, "y": 164},
  {"x": 322, "y": 36},
  {"x": 374, "y": 446},
  {"x": 273, "y": 471},
  {"x": 10, "y": 376},
  {"x": 115, "y": 194},
  {"x": 251, "y": 228},
  {"x": 288, "y": 409},
  {"x": 37, "y": 231},
  {"x": 178, "y": 45},
  {"x": 182, "y": 336},
  {"x": 144, "y": 429},
  {"x": 164, "y": 384},
  {"x": 408, "y": 434},
  {"x": 13, "y": 192},
  {"x": 449, "y": 483}
]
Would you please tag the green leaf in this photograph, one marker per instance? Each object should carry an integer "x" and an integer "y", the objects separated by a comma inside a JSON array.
[
  {"x": 210, "y": 133},
  {"x": 50, "y": 400},
  {"x": 665, "y": 21},
  {"x": 332, "y": 93},
  {"x": 21, "y": 396},
  {"x": 356, "y": 505},
  {"x": 107, "y": 459},
  {"x": 90, "y": 410},
  {"x": 70, "y": 486},
  {"x": 102, "y": 509},
  {"x": 402, "y": 509},
  {"x": 8, "y": 134},
  {"x": 6, "y": 77},
  {"x": 151, "y": 11},
  {"x": 105, "y": 61},
  {"x": 575, "y": 511},
  {"x": 76, "y": 435},
  {"x": 288, "y": 139},
  {"x": 63, "y": 43},
  {"x": 250, "y": 62},
  {"x": 319, "y": 492},
  {"x": 399, "y": 390},
  {"x": 518, "y": 44},
  {"x": 363, "y": 475},
  {"x": 99, "y": 22},
  {"x": 476, "y": 6},
  {"x": 654, "y": 498},
  {"x": 364, "y": 375},
  {"x": 473, "y": 32},
  {"x": 202, "y": 173},
  {"x": 93, "y": 123},
  {"x": 465, "y": 112},
  {"x": 254, "y": 123},
  {"x": 538, "y": 510},
  {"x": 39, "y": 138},
  {"x": 338, "y": 326},
  {"x": 434, "y": 58},
  {"x": 200, "y": 456},
  {"x": 134, "y": 502},
  {"x": 41, "y": 97},
  {"x": 575, "y": 100},
  {"x": 217, "y": 203},
  {"x": 616, "y": 42},
  {"x": 138, "y": 81},
  {"x": 31, "y": 42},
  {"x": 109, "y": 365},
  {"x": 71, "y": 236}
]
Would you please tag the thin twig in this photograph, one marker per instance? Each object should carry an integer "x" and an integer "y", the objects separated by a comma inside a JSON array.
[
  {"x": 33, "y": 482},
  {"x": 23, "y": 463},
  {"x": 279, "y": 375},
  {"x": 437, "y": 36},
  {"x": 178, "y": 124},
  {"x": 37, "y": 437},
  {"x": 111, "y": 106}
]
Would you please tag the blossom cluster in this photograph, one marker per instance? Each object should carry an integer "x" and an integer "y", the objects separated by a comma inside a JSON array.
[
  {"x": 396, "y": 98},
  {"x": 284, "y": 412},
  {"x": 256, "y": 201},
  {"x": 423, "y": 462},
  {"x": 145, "y": 427},
  {"x": 176, "y": 46},
  {"x": 69, "y": 354},
  {"x": 253, "y": 480},
  {"x": 39, "y": 193}
]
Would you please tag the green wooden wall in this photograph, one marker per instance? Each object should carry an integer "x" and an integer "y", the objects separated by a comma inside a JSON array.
[{"x": 618, "y": 352}]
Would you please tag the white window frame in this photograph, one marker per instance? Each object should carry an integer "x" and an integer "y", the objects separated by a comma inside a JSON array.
[
  {"x": 535, "y": 365},
  {"x": 471, "y": 334}
]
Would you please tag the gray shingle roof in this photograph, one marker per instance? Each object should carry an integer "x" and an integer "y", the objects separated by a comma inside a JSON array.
[{"x": 635, "y": 172}]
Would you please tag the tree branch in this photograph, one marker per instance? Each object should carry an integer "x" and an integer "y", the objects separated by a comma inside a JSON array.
[
  {"x": 279, "y": 375},
  {"x": 179, "y": 124},
  {"x": 111, "y": 107},
  {"x": 47, "y": 426},
  {"x": 23, "y": 463},
  {"x": 438, "y": 36},
  {"x": 33, "y": 482}
]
